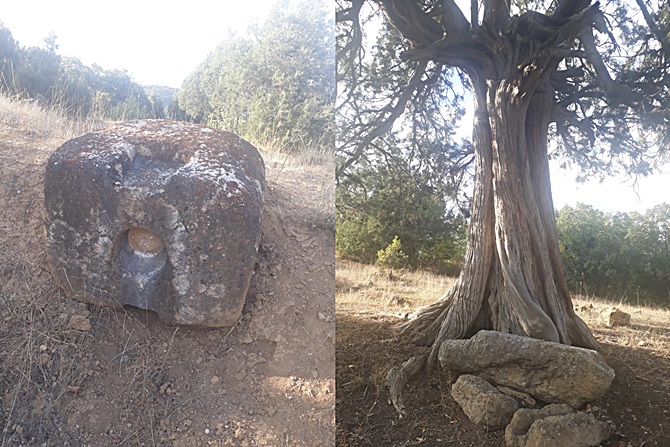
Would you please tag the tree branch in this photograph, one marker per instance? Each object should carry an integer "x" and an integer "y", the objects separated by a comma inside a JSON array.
[
  {"x": 412, "y": 22},
  {"x": 496, "y": 13},
  {"x": 454, "y": 21},
  {"x": 617, "y": 92},
  {"x": 386, "y": 125},
  {"x": 465, "y": 55},
  {"x": 662, "y": 37},
  {"x": 474, "y": 15},
  {"x": 567, "y": 8},
  {"x": 348, "y": 52}
]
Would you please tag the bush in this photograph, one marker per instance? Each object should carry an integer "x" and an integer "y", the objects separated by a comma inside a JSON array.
[{"x": 392, "y": 257}]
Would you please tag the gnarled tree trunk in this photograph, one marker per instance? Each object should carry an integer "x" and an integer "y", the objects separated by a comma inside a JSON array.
[
  {"x": 512, "y": 278},
  {"x": 527, "y": 69}
]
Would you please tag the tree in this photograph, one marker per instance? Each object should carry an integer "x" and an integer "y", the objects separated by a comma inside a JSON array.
[
  {"x": 42, "y": 74},
  {"x": 597, "y": 250},
  {"x": 9, "y": 59},
  {"x": 275, "y": 84},
  {"x": 383, "y": 201},
  {"x": 38, "y": 72},
  {"x": 537, "y": 70},
  {"x": 622, "y": 256}
]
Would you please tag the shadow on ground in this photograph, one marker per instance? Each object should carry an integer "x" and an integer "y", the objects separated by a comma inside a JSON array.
[{"x": 637, "y": 404}]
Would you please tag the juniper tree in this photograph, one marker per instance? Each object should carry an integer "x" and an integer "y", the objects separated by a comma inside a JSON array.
[{"x": 585, "y": 81}]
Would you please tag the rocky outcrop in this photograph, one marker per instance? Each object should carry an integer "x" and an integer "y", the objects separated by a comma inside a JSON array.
[
  {"x": 482, "y": 403},
  {"x": 555, "y": 426},
  {"x": 156, "y": 214},
  {"x": 550, "y": 372}
]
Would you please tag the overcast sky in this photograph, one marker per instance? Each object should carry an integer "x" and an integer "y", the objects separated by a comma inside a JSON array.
[{"x": 158, "y": 42}]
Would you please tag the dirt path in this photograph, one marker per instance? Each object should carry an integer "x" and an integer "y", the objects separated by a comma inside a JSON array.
[{"x": 132, "y": 380}]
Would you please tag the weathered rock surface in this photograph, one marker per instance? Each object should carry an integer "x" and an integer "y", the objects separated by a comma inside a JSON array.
[
  {"x": 524, "y": 418},
  {"x": 482, "y": 403},
  {"x": 615, "y": 317},
  {"x": 555, "y": 426},
  {"x": 551, "y": 372},
  {"x": 156, "y": 214}
]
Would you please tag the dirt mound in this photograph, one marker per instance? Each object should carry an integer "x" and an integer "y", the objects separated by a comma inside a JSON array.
[{"x": 75, "y": 374}]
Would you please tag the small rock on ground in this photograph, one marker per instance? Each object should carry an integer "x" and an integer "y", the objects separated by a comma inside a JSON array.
[
  {"x": 615, "y": 317},
  {"x": 555, "y": 426},
  {"x": 79, "y": 323},
  {"x": 482, "y": 403}
]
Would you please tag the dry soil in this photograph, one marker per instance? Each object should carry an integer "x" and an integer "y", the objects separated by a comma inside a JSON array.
[
  {"x": 370, "y": 305},
  {"x": 76, "y": 375}
]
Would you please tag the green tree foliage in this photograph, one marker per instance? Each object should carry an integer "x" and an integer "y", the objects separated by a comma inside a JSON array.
[
  {"x": 274, "y": 84},
  {"x": 9, "y": 58},
  {"x": 381, "y": 202},
  {"x": 163, "y": 100},
  {"x": 406, "y": 183},
  {"x": 392, "y": 257},
  {"x": 617, "y": 255},
  {"x": 42, "y": 74}
]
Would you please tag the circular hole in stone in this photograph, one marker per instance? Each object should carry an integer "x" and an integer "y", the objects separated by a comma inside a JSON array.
[{"x": 144, "y": 241}]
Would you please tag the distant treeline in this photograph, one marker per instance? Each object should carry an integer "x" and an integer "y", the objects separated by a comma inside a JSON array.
[
  {"x": 274, "y": 85},
  {"x": 41, "y": 74},
  {"x": 620, "y": 256}
]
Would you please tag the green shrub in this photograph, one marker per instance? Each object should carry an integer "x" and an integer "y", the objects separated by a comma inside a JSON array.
[{"x": 392, "y": 257}]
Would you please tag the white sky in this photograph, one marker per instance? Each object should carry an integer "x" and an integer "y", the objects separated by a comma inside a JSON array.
[
  {"x": 613, "y": 194},
  {"x": 158, "y": 42}
]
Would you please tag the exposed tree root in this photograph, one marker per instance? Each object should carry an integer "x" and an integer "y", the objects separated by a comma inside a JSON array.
[{"x": 398, "y": 377}]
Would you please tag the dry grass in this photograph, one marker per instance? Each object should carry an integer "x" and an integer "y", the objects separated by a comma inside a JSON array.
[
  {"x": 321, "y": 156},
  {"x": 365, "y": 289},
  {"x": 370, "y": 304},
  {"x": 589, "y": 309},
  {"x": 639, "y": 345},
  {"x": 45, "y": 363},
  {"x": 299, "y": 167},
  {"x": 36, "y": 120},
  {"x": 37, "y": 353}
]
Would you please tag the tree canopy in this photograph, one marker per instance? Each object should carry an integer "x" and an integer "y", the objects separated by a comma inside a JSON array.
[
  {"x": 387, "y": 201},
  {"x": 607, "y": 66},
  {"x": 276, "y": 83},
  {"x": 621, "y": 256}
]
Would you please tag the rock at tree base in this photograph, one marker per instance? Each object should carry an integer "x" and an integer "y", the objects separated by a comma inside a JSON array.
[
  {"x": 156, "y": 214},
  {"x": 615, "y": 317},
  {"x": 555, "y": 426},
  {"x": 482, "y": 403},
  {"x": 551, "y": 372}
]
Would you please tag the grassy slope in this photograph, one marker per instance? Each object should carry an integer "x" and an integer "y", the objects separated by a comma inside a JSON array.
[{"x": 369, "y": 304}]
